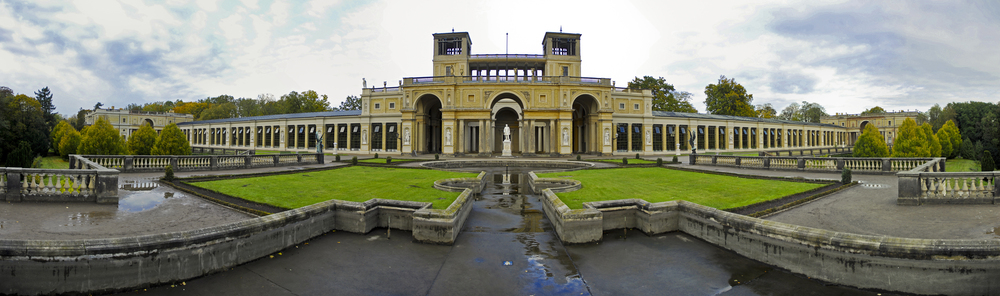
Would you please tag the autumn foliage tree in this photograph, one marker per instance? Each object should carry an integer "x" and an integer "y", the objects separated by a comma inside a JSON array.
[{"x": 102, "y": 139}]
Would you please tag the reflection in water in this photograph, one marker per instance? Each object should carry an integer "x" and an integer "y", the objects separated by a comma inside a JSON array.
[
  {"x": 138, "y": 184},
  {"x": 88, "y": 218},
  {"x": 141, "y": 201}
]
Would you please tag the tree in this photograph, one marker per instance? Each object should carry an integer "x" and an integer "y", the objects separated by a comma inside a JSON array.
[
  {"x": 133, "y": 107},
  {"x": 57, "y": 134},
  {"x": 812, "y": 112},
  {"x": 967, "y": 150},
  {"x": 141, "y": 142},
  {"x": 766, "y": 111},
  {"x": 193, "y": 108},
  {"x": 22, "y": 156},
  {"x": 350, "y": 103},
  {"x": 933, "y": 143},
  {"x": 171, "y": 142},
  {"x": 21, "y": 119},
  {"x": 44, "y": 98},
  {"x": 874, "y": 110},
  {"x": 665, "y": 97},
  {"x": 80, "y": 120},
  {"x": 911, "y": 141},
  {"x": 987, "y": 163},
  {"x": 792, "y": 112},
  {"x": 307, "y": 101},
  {"x": 69, "y": 143},
  {"x": 102, "y": 139},
  {"x": 871, "y": 143},
  {"x": 728, "y": 98},
  {"x": 219, "y": 111},
  {"x": 949, "y": 133}
]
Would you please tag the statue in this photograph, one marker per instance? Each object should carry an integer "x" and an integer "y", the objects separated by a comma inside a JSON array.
[
  {"x": 694, "y": 149},
  {"x": 565, "y": 137},
  {"x": 447, "y": 136},
  {"x": 649, "y": 138},
  {"x": 364, "y": 84},
  {"x": 364, "y": 137},
  {"x": 506, "y": 132},
  {"x": 319, "y": 141},
  {"x": 406, "y": 136},
  {"x": 607, "y": 137}
]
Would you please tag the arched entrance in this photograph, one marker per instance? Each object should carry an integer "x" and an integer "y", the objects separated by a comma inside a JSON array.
[
  {"x": 428, "y": 108},
  {"x": 149, "y": 122},
  {"x": 584, "y": 124},
  {"x": 507, "y": 117}
]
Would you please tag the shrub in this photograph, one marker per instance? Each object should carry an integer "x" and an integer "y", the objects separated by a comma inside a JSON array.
[
  {"x": 845, "y": 176},
  {"x": 637, "y": 156},
  {"x": 577, "y": 157},
  {"x": 171, "y": 142},
  {"x": 624, "y": 160},
  {"x": 22, "y": 156},
  {"x": 376, "y": 155},
  {"x": 674, "y": 159},
  {"x": 388, "y": 159},
  {"x": 142, "y": 141},
  {"x": 168, "y": 173},
  {"x": 436, "y": 157},
  {"x": 354, "y": 160},
  {"x": 659, "y": 161},
  {"x": 987, "y": 162},
  {"x": 337, "y": 157},
  {"x": 70, "y": 141}
]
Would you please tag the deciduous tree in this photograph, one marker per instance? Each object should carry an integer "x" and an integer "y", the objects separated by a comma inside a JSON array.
[
  {"x": 910, "y": 141},
  {"x": 873, "y": 110},
  {"x": 57, "y": 134},
  {"x": 729, "y": 98},
  {"x": 665, "y": 97},
  {"x": 69, "y": 143},
  {"x": 933, "y": 143},
  {"x": 950, "y": 133},
  {"x": 766, "y": 111},
  {"x": 172, "y": 142},
  {"x": 871, "y": 143}
]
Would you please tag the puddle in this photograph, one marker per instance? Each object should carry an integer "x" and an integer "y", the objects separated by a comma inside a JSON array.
[
  {"x": 141, "y": 201},
  {"x": 873, "y": 185},
  {"x": 88, "y": 218}
]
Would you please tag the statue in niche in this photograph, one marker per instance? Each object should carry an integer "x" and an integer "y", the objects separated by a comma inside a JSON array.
[
  {"x": 406, "y": 136},
  {"x": 607, "y": 137},
  {"x": 565, "y": 137},
  {"x": 506, "y": 132},
  {"x": 649, "y": 138},
  {"x": 447, "y": 136},
  {"x": 364, "y": 136}
]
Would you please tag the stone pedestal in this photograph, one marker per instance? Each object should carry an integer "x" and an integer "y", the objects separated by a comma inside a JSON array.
[{"x": 506, "y": 149}]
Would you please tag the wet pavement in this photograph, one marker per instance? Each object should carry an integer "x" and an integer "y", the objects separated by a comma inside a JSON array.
[{"x": 507, "y": 247}]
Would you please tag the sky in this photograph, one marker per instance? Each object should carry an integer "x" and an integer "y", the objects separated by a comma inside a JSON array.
[{"x": 845, "y": 55}]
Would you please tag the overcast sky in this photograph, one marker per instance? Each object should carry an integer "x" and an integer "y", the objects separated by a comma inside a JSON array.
[{"x": 847, "y": 56}]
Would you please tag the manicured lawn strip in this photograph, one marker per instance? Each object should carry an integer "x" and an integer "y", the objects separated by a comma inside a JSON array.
[
  {"x": 54, "y": 162},
  {"x": 962, "y": 165},
  {"x": 356, "y": 183},
  {"x": 630, "y": 161},
  {"x": 657, "y": 185},
  {"x": 380, "y": 160}
]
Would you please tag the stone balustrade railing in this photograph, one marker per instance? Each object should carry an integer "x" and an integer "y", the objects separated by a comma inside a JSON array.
[
  {"x": 861, "y": 165},
  {"x": 87, "y": 182},
  {"x": 930, "y": 184},
  {"x": 808, "y": 151},
  {"x": 158, "y": 163}
]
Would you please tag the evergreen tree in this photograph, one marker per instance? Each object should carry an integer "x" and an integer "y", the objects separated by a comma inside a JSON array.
[
  {"x": 911, "y": 141},
  {"x": 44, "y": 98},
  {"x": 69, "y": 143},
  {"x": 954, "y": 136},
  {"x": 987, "y": 162},
  {"x": 966, "y": 150},
  {"x": 933, "y": 143},
  {"x": 870, "y": 144},
  {"x": 102, "y": 139},
  {"x": 22, "y": 156},
  {"x": 171, "y": 142},
  {"x": 141, "y": 142}
]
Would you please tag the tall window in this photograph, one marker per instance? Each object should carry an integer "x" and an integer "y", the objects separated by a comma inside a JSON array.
[
  {"x": 636, "y": 137},
  {"x": 753, "y": 138},
  {"x": 290, "y": 141},
  {"x": 711, "y": 137},
  {"x": 671, "y": 141},
  {"x": 683, "y": 137},
  {"x": 622, "y": 137},
  {"x": 311, "y": 136},
  {"x": 657, "y": 137},
  {"x": 376, "y": 136},
  {"x": 701, "y": 137},
  {"x": 722, "y": 137},
  {"x": 355, "y": 136},
  {"x": 342, "y": 136},
  {"x": 391, "y": 137}
]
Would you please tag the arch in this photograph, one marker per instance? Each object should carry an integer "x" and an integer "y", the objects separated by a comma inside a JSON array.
[
  {"x": 149, "y": 121},
  {"x": 863, "y": 125},
  {"x": 585, "y": 129},
  {"x": 507, "y": 117},
  {"x": 506, "y": 95},
  {"x": 428, "y": 123}
]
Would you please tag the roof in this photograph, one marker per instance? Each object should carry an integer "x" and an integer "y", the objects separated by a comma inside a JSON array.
[
  {"x": 738, "y": 118},
  {"x": 279, "y": 116}
]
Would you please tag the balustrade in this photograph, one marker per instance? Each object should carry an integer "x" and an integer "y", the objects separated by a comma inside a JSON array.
[
  {"x": 784, "y": 163},
  {"x": 863, "y": 164},
  {"x": 961, "y": 186},
  {"x": 752, "y": 162},
  {"x": 821, "y": 164},
  {"x": 45, "y": 183}
]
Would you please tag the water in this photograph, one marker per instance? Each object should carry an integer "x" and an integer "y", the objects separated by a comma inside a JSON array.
[{"x": 137, "y": 195}]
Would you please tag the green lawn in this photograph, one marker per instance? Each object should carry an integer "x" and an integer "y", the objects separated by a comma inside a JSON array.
[
  {"x": 961, "y": 165},
  {"x": 630, "y": 161},
  {"x": 379, "y": 160},
  {"x": 355, "y": 183},
  {"x": 54, "y": 162},
  {"x": 657, "y": 184}
]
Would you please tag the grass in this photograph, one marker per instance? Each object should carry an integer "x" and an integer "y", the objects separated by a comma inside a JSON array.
[
  {"x": 356, "y": 183},
  {"x": 379, "y": 160},
  {"x": 657, "y": 185},
  {"x": 962, "y": 165},
  {"x": 630, "y": 161},
  {"x": 53, "y": 162}
]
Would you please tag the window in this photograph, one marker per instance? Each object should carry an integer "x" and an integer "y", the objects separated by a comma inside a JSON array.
[
  {"x": 377, "y": 105},
  {"x": 636, "y": 137},
  {"x": 449, "y": 46},
  {"x": 622, "y": 137},
  {"x": 636, "y": 106},
  {"x": 565, "y": 71},
  {"x": 447, "y": 71},
  {"x": 392, "y": 105},
  {"x": 563, "y": 46},
  {"x": 621, "y": 106}
]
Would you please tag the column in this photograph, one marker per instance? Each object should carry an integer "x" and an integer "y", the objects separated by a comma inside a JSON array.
[{"x": 461, "y": 137}]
